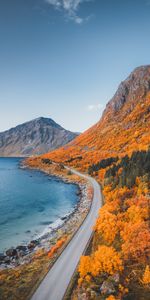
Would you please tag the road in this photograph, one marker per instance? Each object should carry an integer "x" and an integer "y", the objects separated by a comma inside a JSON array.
[{"x": 55, "y": 284}]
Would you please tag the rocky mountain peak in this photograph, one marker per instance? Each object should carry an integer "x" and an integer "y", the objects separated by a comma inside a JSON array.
[
  {"x": 136, "y": 86},
  {"x": 34, "y": 137}
]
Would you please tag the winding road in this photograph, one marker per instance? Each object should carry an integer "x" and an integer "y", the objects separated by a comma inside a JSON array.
[{"x": 55, "y": 284}]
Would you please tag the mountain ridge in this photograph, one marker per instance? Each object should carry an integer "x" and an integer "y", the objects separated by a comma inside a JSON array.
[
  {"x": 123, "y": 127},
  {"x": 34, "y": 137},
  {"x": 130, "y": 86}
]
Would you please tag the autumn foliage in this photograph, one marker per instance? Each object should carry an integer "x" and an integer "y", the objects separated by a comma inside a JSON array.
[
  {"x": 114, "y": 135},
  {"x": 116, "y": 151},
  {"x": 122, "y": 241},
  {"x": 136, "y": 241},
  {"x": 146, "y": 275},
  {"x": 104, "y": 260},
  {"x": 56, "y": 247}
]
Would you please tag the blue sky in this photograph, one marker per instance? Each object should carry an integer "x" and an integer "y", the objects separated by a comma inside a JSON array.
[{"x": 64, "y": 59}]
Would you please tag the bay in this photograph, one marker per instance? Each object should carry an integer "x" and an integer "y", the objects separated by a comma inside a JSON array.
[{"x": 30, "y": 202}]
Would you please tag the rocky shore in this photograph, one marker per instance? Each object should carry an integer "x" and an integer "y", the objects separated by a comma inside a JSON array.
[{"x": 67, "y": 225}]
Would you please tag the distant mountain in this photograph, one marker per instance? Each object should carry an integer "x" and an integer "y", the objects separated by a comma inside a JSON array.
[
  {"x": 123, "y": 128},
  {"x": 34, "y": 137}
]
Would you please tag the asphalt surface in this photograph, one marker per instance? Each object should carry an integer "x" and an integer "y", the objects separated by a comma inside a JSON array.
[{"x": 54, "y": 285}]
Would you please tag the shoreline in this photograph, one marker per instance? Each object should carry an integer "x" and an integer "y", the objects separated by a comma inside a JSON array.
[{"x": 65, "y": 225}]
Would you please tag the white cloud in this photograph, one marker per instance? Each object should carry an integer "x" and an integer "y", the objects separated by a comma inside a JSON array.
[
  {"x": 78, "y": 20},
  {"x": 94, "y": 107},
  {"x": 70, "y": 7}
]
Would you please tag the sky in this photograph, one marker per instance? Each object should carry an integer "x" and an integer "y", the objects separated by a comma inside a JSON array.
[{"x": 64, "y": 59}]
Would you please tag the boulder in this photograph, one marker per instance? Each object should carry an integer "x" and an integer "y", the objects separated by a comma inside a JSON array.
[
  {"x": 2, "y": 257},
  {"x": 22, "y": 253},
  {"x": 82, "y": 296},
  {"x": 64, "y": 218},
  {"x": 12, "y": 252},
  {"x": 78, "y": 193},
  {"x": 21, "y": 248},
  {"x": 32, "y": 244},
  {"x": 115, "y": 278},
  {"x": 7, "y": 260},
  {"x": 107, "y": 288}
]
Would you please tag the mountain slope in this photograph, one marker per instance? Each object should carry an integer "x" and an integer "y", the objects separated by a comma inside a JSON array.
[
  {"x": 34, "y": 137},
  {"x": 123, "y": 128},
  {"x": 117, "y": 263}
]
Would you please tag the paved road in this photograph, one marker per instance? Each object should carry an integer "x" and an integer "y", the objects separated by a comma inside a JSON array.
[{"x": 54, "y": 285}]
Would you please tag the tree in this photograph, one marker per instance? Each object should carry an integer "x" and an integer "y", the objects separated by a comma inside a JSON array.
[
  {"x": 146, "y": 276},
  {"x": 106, "y": 260},
  {"x": 106, "y": 225},
  {"x": 136, "y": 239}
]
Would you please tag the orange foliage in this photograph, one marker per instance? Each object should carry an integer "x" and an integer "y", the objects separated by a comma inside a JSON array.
[
  {"x": 119, "y": 194},
  {"x": 111, "y": 297},
  {"x": 106, "y": 225},
  {"x": 115, "y": 134},
  {"x": 85, "y": 266},
  {"x": 123, "y": 221},
  {"x": 123, "y": 224},
  {"x": 136, "y": 239},
  {"x": 101, "y": 174},
  {"x": 104, "y": 260},
  {"x": 55, "y": 248},
  {"x": 136, "y": 214},
  {"x": 146, "y": 276}
]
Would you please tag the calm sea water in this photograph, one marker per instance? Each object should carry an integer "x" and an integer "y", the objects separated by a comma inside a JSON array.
[{"x": 29, "y": 202}]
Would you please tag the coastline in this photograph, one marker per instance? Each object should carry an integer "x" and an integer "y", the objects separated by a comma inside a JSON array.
[
  {"x": 21, "y": 275},
  {"x": 66, "y": 225}
]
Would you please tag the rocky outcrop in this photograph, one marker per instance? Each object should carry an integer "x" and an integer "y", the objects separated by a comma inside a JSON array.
[
  {"x": 11, "y": 252},
  {"x": 134, "y": 87}
]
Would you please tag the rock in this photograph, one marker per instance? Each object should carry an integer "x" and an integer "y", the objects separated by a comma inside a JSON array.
[
  {"x": 33, "y": 244},
  {"x": 82, "y": 297},
  {"x": 135, "y": 86},
  {"x": 61, "y": 166},
  {"x": 21, "y": 248},
  {"x": 35, "y": 241},
  {"x": 115, "y": 278},
  {"x": 7, "y": 260},
  {"x": 93, "y": 294},
  {"x": 22, "y": 253},
  {"x": 12, "y": 252},
  {"x": 107, "y": 288},
  {"x": 3, "y": 266},
  {"x": 2, "y": 257},
  {"x": 64, "y": 218},
  {"x": 78, "y": 193}
]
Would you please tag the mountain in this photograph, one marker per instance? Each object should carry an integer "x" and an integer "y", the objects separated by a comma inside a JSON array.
[
  {"x": 123, "y": 128},
  {"x": 112, "y": 151},
  {"x": 34, "y": 137}
]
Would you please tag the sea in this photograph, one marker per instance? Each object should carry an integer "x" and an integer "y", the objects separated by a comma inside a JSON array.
[{"x": 31, "y": 203}]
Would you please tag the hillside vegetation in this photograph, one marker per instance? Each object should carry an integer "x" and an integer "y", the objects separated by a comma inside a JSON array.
[
  {"x": 119, "y": 262},
  {"x": 123, "y": 128},
  {"x": 116, "y": 152}
]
